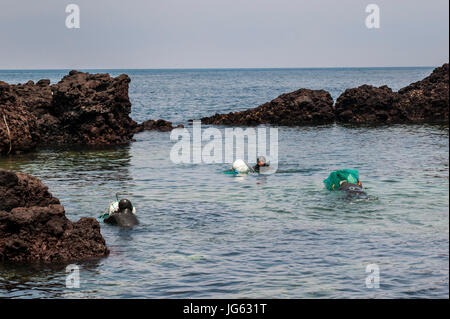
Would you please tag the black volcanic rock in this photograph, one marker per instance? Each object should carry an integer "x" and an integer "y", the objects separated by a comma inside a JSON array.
[
  {"x": 419, "y": 102},
  {"x": 368, "y": 104},
  {"x": 34, "y": 228},
  {"x": 18, "y": 126},
  {"x": 302, "y": 107},
  {"x": 83, "y": 108},
  {"x": 423, "y": 101},
  {"x": 158, "y": 125},
  {"x": 93, "y": 109},
  {"x": 427, "y": 100}
]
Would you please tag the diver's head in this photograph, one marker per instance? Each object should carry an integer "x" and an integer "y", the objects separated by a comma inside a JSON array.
[
  {"x": 261, "y": 161},
  {"x": 125, "y": 204}
]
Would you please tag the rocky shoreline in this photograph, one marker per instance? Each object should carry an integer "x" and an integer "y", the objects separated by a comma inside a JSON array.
[
  {"x": 35, "y": 229},
  {"x": 425, "y": 101}
]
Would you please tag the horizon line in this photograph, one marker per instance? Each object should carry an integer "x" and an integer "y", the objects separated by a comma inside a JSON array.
[{"x": 225, "y": 68}]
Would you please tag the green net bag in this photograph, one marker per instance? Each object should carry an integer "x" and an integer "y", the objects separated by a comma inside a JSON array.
[{"x": 334, "y": 180}]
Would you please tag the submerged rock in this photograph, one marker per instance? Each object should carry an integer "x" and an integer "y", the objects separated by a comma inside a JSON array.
[
  {"x": 83, "y": 108},
  {"x": 158, "y": 125},
  {"x": 34, "y": 228},
  {"x": 302, "y": 107}
]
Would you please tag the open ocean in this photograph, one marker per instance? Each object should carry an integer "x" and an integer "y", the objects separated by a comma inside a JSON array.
[{"x": 205, "y": 234}]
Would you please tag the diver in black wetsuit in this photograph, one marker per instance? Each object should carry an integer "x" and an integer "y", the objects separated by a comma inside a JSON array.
[
  {"x": 353, "y": 190},
  {"x": 260, "y": 162},
  {"x": 123, "y": 215}
]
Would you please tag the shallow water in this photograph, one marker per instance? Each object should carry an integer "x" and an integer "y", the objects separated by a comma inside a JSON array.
[{"x": 207, "y": 234}]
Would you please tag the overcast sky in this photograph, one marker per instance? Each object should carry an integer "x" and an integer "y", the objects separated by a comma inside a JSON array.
[{"x": 222, "y": 33}]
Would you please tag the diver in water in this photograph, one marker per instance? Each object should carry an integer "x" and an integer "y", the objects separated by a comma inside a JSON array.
[
  {"x": 241, "y": 167},
  {"x": 122, "y": 213},
  {"x": 353, "y": 190},
  {"x": 260, "y": 162},
  {"x": 346, "y": 180}
]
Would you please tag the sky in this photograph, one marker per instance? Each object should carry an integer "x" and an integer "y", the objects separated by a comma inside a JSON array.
[{"x": 142, "y": 34}]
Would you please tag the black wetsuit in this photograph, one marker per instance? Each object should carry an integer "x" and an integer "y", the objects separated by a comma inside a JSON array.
[
  {"x": 257, "y": 167},
  {"x": 352, "y": 190},
  {"x": 124, "y": 218}
]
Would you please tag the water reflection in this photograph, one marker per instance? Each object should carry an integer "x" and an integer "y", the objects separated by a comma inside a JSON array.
[
  {"x": 74, "y": 174},
  {"x": 34, "y": 280},
  {"x": 73, "y": 162}
]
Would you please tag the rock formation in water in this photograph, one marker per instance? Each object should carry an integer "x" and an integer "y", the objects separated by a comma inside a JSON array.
[
  {"x": 83, "y": 108},
  {"x": 94, "y": 109},
  {"x": 34, "y": 228},
  {"x": 18, "y": 126},
  {"x": 301, "y": 107},
  {"x": 427, "y": 100},
  {"x": 368, "y": 104},
  {"x": 422, "y": 101},
  {"x": 158, "y": 125}
]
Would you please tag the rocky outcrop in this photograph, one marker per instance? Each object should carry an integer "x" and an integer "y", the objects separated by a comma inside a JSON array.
[
  {"x": 302, "y": 107},
  {"x": 83, "y": 108},
  {"x": 94, "y": 109},
  {"x": 427, "y": 100},
  {"x": 422, "y": 101},
  {"x": 368, "y": 104},
  {"x": 34, "y": 228},
  {"x": 158, "y": 125},
  {"x": 18, "y": 126}
]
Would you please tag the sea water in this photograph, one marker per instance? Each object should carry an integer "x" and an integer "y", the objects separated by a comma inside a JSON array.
[{"x": 205, "y": 234}]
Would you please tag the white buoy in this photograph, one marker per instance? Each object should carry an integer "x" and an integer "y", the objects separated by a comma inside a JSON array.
[{"x": 240, "y": 166}]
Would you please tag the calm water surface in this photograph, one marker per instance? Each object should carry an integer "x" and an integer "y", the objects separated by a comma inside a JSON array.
[{"x": 205, "y": 234}]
